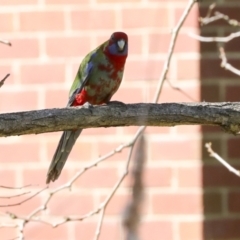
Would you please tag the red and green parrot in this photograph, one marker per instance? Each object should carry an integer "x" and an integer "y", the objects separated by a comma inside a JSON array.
[{"x": 98, "y": 78}]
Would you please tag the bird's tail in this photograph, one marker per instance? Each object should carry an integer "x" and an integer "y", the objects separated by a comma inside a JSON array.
[{"x": 65, "y": 145}]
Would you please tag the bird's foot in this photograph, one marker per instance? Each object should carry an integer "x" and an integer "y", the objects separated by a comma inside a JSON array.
[
  {"x": 118, "y": 103},
  {"x": 87, "y": 105}
]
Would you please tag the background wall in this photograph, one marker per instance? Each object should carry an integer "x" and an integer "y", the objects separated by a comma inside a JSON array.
[{"x": 184, "y": 200}]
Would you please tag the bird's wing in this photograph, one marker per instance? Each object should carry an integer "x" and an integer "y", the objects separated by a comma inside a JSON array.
[{"x": 82, "y": 77}]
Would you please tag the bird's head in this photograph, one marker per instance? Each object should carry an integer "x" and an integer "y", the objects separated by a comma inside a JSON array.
[{"x": 118, "y": 44}]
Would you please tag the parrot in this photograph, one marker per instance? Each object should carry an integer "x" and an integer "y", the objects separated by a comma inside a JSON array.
[{"x": 98, "y": 78}]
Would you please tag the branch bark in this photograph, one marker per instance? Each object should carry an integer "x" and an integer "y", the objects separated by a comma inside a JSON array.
[{"x": 225, "y": 114}]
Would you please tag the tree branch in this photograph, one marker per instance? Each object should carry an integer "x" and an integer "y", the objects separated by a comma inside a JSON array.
[{"x": 225, "y": 114}]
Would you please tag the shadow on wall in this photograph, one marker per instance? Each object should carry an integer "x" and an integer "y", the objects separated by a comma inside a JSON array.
[{"x": 221, "y": 188}]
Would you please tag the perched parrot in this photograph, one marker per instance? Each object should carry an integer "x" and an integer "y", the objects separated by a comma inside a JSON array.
[{"x": 98, "y": 78}]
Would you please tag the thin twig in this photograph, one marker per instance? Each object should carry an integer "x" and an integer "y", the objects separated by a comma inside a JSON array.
[
  {"x": 13, "y": 196},
  {"x": 225, "y": 64},
  {"x": 215, "y": 39},
  {"x": 3, "y": 80},
  {"x": 25, "y": 200},
  {"x": 221, "y": 160},
  {"x": 180, "y": 90},
  {"x": 5, "y": 42}
]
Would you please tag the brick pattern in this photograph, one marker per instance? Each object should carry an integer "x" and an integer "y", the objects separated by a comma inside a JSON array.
[{"x": 50, "y": 38}]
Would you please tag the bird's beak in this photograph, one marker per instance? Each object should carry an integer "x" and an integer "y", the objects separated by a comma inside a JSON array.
[{"x": 121, "y": 44}]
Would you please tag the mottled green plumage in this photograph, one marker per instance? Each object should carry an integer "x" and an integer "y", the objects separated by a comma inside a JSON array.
[{"x": 98, "y": 78}]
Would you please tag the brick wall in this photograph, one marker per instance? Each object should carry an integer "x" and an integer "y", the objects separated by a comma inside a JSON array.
[{"x": 50, "y": 38}]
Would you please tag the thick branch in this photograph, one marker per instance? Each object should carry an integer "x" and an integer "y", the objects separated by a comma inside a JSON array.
[{"x": 224, "y": 114}]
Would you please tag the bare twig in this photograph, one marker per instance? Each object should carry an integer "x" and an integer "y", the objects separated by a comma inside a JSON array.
[
  {"x": 14, "y": 188},
  {"x": 221, "y": 160},
  {"x": 25, "y": 200},
  {"x": 225, "y": 64},
  {"x": 207, "y": 19},
  {"x": 5, "y": 42},
  {"x": 16, "y": 195},
  {"x": 215, "y": 39},
  {"x": 3, "y": 80},
  {"x": 180, "y": 90}
]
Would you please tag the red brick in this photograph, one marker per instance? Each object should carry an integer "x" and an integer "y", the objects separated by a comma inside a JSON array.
[
  {"x": 233, "y": 148},
  {"x": 156, "y": 130},
  {"x": 192, "y": 18},
  {"x": 41, "y": 21},
  {"x": 153, "y": 17},
  {"x": 45, "y": 231},
  {"x": 169, "y": 94},
  {"x": 233, "y": 202},
  {"x": 135, "y": 44},
  {"x": 143, "y": 69},
  {"x": 117, "y": 1},
  {"x": 190, "y": 177},
  {"x": 222, "y": 229},
  {"x": 82, "y": 151},
  {"x": 93, "y": 19},
  {"x": 56, "y": 98},
  {"x": 191, "y": 230},
  {"x": 155, "y": 229},
  {"x": 212, "y": 202},
  {"x": 210, "y": 68},
  {"x": 8, "y": 178},
  {"x": 38, "y": 177},
  {"x": 157, "y": 177},
  {"x": 177, "y": 203},
  {"x": 98, "y": 178},
  {"x": 219, "y": 176},
  {"x": 67, "y": 203},
  {"x": 19, "y": 152},
  {"x": 24, "y": 208},
  {"x": 67, "y": 2},
  {"x": 18, "y": 101},
  {"x": 21, "y": 48},
  {"x": 100, "y": 132},
  {"x": 6, "y": 22},
  {"x": 18, "y": 2},
  {"x": 85, "y": 230},
  {"x": 68, "y": 47},
  {"x": 232, "y": 93},
  {"x": 207, "y": 93},
  {"x": 117, "y": 204},
  {"x": 183, "y": 150},
  {"x": 188, "y": 69},
  {"x": 8, "y": 233},
  {"x": 159, "y": 43},
  {"x": 189, "y": 129},
  {"x": 192, "y": 45},
  {"x": 129, "y": 94},
  {"x": 43, "y": 74},
  {"x": 104, "y": 147}
]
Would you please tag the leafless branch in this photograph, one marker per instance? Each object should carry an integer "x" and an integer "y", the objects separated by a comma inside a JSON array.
[
  {"x": 215, "y": 39},
  {"x": 221, "y": 160},
  {"x": 25, "y": 200},
  {"x": 180, "y": 90},
  {"x": 3, "y": 80},
  {"x": 225, "y": 64},
  {"x": 224, "y": 114},
  {"x": 5, "y": 42},
  {"x": 16, "y": 195}
]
